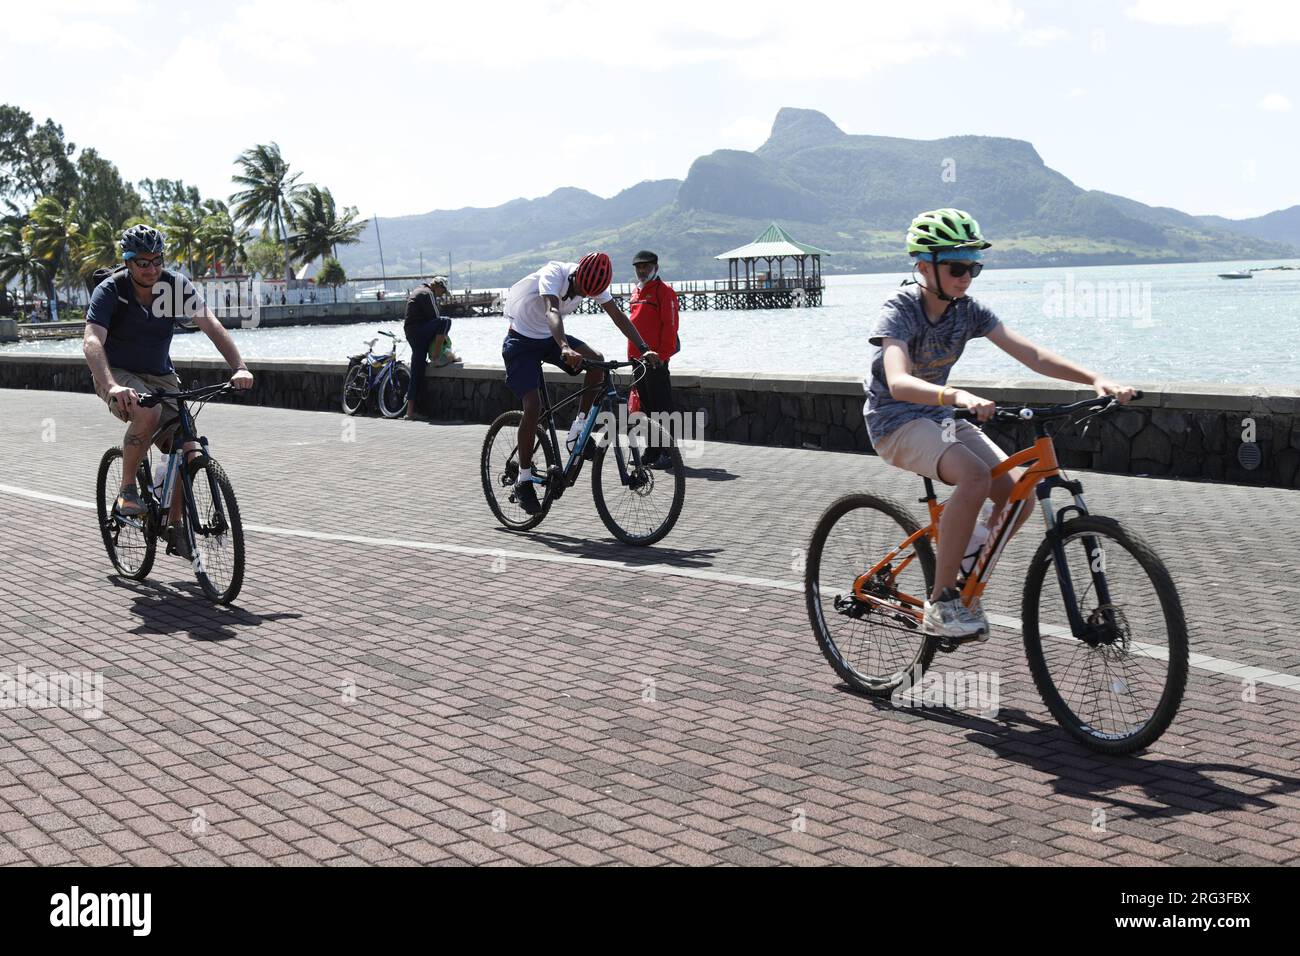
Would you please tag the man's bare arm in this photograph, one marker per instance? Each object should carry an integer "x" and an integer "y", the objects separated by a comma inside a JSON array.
[
  {"x": 92, "y": 344},
  {"x": 215, "y": 331}
]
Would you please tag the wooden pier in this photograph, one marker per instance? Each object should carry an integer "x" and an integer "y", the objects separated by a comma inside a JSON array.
[{"x": 724, "y": 294}]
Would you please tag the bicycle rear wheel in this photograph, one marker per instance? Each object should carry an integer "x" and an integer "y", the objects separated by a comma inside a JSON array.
[
  {"x": 499, "y": 468},
  {"x": 876, "y": 645},
  {"x": 356, "y": 387},
  {"x": 130, "y": 542},
  {"x": 219, "y": 534},
  {"x": 392, "y": 394},
  {"x": 642, "y": 508},
  {"x": 1118, "y": 691}
]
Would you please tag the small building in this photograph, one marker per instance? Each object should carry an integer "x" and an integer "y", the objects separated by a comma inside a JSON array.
[{"x": 776, "y": 245}]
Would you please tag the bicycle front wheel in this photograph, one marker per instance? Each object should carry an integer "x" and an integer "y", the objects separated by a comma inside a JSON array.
[
  {"x": 637, "y": 503},
  {"x": 219, "y": 534},
  {"x": 130, "y": 542},
  {"x": 392, "y": 396},
  {"x": 870, "y": 633},
  {"x": 1116, "y": 689},
  {"x": 499, "y": 469},
  {"x": 356, "y": 386}
]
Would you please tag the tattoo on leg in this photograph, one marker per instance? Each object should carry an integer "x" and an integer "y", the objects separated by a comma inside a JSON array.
[{"x": 137, "y": 440}]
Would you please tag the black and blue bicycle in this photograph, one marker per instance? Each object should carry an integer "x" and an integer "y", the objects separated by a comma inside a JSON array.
[
  {"x": 208, "y": 533},
  {"x": 381, "y": 374},
  {"x": 637, "y": 477}
]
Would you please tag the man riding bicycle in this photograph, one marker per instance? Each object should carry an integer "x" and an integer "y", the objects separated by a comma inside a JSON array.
[
  {"x": 536, "y": 306},
  {"x": 127, "y": 344}
]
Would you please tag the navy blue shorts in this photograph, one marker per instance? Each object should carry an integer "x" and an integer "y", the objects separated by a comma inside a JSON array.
[{"x": 524, "y": 357}]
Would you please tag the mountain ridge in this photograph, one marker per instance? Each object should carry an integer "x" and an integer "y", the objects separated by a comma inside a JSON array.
[{"x": 852, "y": 193}]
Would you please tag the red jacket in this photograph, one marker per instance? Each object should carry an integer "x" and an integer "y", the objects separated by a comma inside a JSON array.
[{"x": 654, "y": 313}]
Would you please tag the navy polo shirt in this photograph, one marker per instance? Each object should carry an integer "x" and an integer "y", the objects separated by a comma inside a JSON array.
[{"x": 140, "y": 338}]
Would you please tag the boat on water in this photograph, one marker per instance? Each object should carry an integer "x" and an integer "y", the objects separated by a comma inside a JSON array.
[{"x": 1236, "y": 275}]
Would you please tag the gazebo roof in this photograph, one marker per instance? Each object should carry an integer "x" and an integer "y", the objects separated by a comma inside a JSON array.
[{"x": 774, "y": 242}]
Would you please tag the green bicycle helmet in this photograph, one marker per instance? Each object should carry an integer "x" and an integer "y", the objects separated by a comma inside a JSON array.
[{"x": 941, "y": 229}]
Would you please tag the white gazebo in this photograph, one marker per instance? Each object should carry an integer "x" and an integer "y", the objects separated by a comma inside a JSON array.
[{"x": 775, "y": 244}]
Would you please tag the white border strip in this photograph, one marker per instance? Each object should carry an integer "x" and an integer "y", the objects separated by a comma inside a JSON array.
[{"x": 1214, "y": 665}]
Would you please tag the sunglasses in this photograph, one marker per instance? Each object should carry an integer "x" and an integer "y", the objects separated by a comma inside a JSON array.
[
  {"x": 153, "y": 263},
  {"x": 959, "y": 269}
]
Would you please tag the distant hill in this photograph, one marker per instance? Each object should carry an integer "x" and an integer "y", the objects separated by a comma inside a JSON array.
[{"x": 853, "y": 194}]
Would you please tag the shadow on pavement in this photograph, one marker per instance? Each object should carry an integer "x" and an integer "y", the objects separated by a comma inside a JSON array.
[
  {"x": 626, "y": 553},
  {"x": 183, "y": 608},
  {"x": 1173, "y": 786},
  {"x": 709, "y": 474}
]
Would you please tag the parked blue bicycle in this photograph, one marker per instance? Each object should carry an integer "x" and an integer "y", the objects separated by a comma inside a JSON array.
[{"x": 383, "y": 375}]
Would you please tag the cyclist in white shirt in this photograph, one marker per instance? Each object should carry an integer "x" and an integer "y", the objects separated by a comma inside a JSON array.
[{"x": 536, "y": 306}]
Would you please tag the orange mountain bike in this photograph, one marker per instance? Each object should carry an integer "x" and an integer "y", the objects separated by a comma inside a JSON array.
[{"x": 1101, "y": 619}]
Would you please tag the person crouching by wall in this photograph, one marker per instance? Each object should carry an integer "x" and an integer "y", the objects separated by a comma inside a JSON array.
[{"x": 424, "y": 327}]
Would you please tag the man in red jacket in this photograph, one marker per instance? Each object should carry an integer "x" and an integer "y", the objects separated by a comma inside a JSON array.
[{"x": 655, "y": 316}]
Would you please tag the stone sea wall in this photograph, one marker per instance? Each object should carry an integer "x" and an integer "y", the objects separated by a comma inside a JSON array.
[{"x": 1222, "y": 433}]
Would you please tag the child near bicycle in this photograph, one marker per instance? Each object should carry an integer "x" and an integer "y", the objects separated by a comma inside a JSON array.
[{"x": 920, "y": 333}]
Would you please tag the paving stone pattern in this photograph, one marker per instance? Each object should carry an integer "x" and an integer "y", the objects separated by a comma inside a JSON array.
[{"x": 379, "y": 703}]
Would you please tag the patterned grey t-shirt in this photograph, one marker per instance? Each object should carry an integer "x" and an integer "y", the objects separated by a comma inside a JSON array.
[{"x": 933, "y": 347}]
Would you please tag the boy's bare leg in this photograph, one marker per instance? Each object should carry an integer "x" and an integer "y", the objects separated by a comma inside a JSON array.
[{"x": 971, "y": 483}]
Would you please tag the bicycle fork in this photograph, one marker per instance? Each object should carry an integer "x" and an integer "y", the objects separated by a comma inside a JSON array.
[{"x": 1079, "y": 628}]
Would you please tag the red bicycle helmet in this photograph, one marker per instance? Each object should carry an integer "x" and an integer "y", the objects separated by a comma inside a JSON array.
[{"x": 594, "y": 274}]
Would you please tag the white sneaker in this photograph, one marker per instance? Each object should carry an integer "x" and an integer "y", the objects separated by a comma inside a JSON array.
[
  {"x": 953, "y": 619},
  {"x": 575, "y": 432}
]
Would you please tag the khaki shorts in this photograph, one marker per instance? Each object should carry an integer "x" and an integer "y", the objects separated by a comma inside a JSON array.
[
  {"x": 146, "y": 384},
  {"x": 919, "y": 445}
]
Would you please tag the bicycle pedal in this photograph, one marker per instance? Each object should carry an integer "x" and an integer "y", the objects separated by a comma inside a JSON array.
[{"x": 946, "y": 645}]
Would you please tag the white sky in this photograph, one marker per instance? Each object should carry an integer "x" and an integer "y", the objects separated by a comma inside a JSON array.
[{"x": 402, "y": 107}]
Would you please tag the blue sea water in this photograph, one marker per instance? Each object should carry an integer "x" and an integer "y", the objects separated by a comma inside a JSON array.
[{"x": 1148, "y": 325}]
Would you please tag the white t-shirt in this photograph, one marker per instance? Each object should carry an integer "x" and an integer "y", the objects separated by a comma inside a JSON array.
[{"x": 525, "y": 307}]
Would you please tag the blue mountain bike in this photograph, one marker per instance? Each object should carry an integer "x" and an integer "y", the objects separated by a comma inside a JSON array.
[{"x": 383, "y": 375}]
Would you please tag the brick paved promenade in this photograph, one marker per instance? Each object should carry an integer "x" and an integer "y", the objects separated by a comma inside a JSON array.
[{"x": 501, "y": 712}]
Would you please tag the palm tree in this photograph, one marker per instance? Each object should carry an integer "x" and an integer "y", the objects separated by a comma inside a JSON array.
[
  {"x": 99, "y": 248},
  {"x": 219, "y": 239},
  {"x": 182, "y": 229},
  {"x": 319, "y": 229},
  {"x": 55, "y": 237},
  {"x": 268, "y": 188},
  {"x": 17, "y": 260}
]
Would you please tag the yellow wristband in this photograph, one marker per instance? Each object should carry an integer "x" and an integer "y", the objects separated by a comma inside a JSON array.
[{"x": 943, "y": 391}]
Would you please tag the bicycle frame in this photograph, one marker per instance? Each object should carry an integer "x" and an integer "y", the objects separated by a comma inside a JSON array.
[
  {"x": 1042, "y": 476},
  {"x": 607, "y": 400},
  {"x": 176, "y": 459}
]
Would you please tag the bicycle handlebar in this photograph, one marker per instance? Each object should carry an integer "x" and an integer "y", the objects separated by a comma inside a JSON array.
[
  {"x": 205, "y": 391},
  {"x": 611, "y": 366},
  {"x": 1030, "y": 413}
]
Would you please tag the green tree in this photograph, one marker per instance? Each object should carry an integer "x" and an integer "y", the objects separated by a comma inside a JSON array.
[
  {"x": 268, "y": 188},
  {"x": 263, "y": 256},
  {"x": 35, "y": 161},
  {"x": 332, "y": 274},
  {"x": 318, "y": 227},
  {"x": 181, "y": 227},
  {"x": 99, "y": 248},
  {"x": 17, "y": 259},
  {"x": 55, "y": 237},
  {"x": 102, "y": 193},
  {"x": 161, "y": 194},
  {"x": 220, "y": 240}
]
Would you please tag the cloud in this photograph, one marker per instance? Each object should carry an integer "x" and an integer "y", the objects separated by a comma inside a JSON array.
[
  {"x": 1041, "y": 36},
  {"x": 1275, "y": 103},
  {"x": 1249, "y": 22},
  {"x": 759, "y": 39},
  {"x": 745, "y": 132}
]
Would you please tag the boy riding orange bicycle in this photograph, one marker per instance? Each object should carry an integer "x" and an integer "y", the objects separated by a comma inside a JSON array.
[{"x": 920, "y": 334}]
